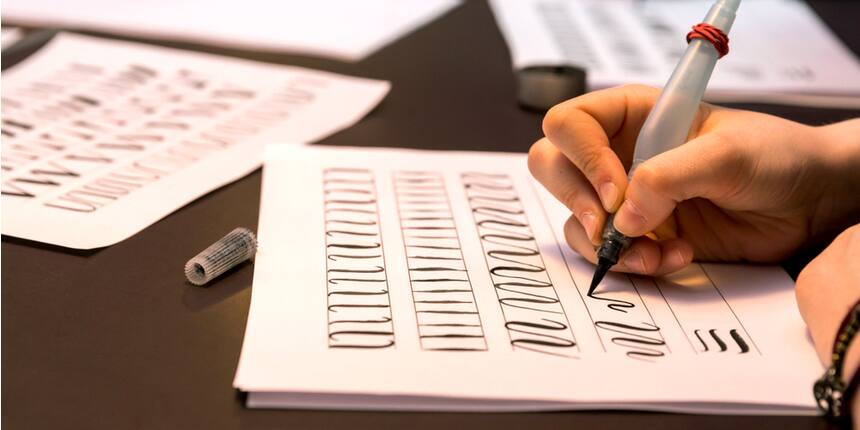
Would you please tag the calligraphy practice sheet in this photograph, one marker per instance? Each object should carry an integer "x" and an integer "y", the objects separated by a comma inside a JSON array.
[
  {"x": 341, "y": 29},
  {"x": 103, "y": 138},
  {"x": 781, "y": 51},
  {"x": 411, "y": 280}
]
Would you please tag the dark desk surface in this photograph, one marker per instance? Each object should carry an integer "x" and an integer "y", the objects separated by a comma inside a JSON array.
[{"x": 117, "y": 339}]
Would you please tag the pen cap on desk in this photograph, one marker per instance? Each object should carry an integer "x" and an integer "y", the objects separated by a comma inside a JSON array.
[
  {"x": 542, "y": 87},
  {"x": 232, "y": 249}
]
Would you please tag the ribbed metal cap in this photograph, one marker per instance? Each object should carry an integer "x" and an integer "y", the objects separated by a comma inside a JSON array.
[{"x": 232, "y": 249}]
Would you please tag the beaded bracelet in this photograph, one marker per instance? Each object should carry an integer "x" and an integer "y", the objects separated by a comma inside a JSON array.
[{"x": 832, "y": 395}]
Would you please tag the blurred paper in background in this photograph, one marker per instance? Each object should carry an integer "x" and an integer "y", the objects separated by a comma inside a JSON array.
[
  {"x": 342, "y": 29},
  {"x": 102, "y": 138},
  {"x": 781, "y": 52}
]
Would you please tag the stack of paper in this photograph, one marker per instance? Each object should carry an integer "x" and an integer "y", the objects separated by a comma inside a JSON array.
[
  {"x": 409, "y": 280},
  {"x": 779, "y": 49}
]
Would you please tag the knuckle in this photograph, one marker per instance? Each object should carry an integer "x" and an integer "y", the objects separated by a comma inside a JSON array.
[
  {"x": 591, "y": 163},
  {"x": 646, "y": 176},
  {"x": 570, "y": 196}
]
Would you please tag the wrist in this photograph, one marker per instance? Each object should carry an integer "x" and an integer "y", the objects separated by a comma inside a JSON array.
[{"x": 837, "y": 153}]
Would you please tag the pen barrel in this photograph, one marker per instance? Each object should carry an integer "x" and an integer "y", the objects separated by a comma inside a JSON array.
[{"x": 668, "y": 123}]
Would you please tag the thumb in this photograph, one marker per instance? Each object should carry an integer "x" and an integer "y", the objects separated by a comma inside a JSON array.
[{"x": 707, "y": 167}]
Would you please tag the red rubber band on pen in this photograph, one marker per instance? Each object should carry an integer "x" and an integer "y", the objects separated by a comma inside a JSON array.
[{"x": 711, "y": 34}]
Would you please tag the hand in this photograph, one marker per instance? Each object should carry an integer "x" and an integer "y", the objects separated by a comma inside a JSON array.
[
  {"x": 827, "y": 289},
  {"x": 745, "y": 187}
]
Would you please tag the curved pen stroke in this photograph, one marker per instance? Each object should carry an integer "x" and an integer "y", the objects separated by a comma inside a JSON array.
[
  {"x": 327, "y": 191},
  {"x": 441, "y": 280},
  {"x": 330, "y": 170},
  {"x": 448, "y": 325},
  {"x": 357, "y": 293},
  {"x": 492, "y": 238},
  {"x": 554, "y": 341},
  {"x": 432, "y": 257},
  {"x": 501, "y": 221},
  {"x": 720, "y": 343},
  {"x": 360, "y": 211},
  {"x": 445, "y": 290},
  {"x": 447, "y": 312},
  {"x": 451, "y": 336},
  {"x": 510, "y": 302},
  {"x": 640, "y": 343},
  {"x": 347, "y": 181},
  {"x": 351, "y": 222},
  {"x": 487, "y": 210},
  {"x": 617, "y": 305},
  {"x": 433, "y": 247},
  {"x": 331, "y": 308},
  {"x": 356, "y": 346},
  {"x": 383, "y": 320},
  {"x": 699, "y": 336},
  {"x": 331, "y": 233},
  {"x": 506, "y": 216},
  {"x": 742, "y": 344},
  {"x": 492, "y": 199},
  {"x": 349, "y": 202},
  {"x": 375, "y": 269},
  {"x": 334, "y": 257},
  {"x": 337, "y": 281},
  {"x": 445, "y": 302},
  {"x": 353, "y": 246}
]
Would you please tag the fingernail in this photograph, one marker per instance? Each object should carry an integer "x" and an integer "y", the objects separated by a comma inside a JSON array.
[
  {"x": 589, "y": 222},
  {"x": 634, "y": 261},
  {"x": 629, "y": 219},
  {"x": 608, "y": 195},
  {"x": 678, "y": 258}
]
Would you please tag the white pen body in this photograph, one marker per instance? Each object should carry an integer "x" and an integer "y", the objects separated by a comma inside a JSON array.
[{"x": 669, "y": 121}]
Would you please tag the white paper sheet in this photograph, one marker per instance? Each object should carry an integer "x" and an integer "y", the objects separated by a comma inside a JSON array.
[
  {"x": 342, "y": 29},
  {"x": 780, "y": 51},
  {"x": 103, "y": 138},
  {"x": 410, "y": 280}
]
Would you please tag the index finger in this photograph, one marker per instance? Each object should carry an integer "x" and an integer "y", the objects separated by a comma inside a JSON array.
[{"x": 583, "y": 127}]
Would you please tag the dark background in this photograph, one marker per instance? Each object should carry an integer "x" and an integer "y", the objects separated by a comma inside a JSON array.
[{"x": 116, "y": 338}]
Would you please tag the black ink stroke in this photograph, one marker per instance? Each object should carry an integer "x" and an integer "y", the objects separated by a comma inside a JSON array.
[
  {"x": 641, "y": 345},
  {"x": 742, "y": 344},
  {"x": 720, "y": 343},
  {"x": 702, "y": 341},
  {"x": 358, "y": 304},
  {"x": 447, "y": 315},
  {"x": 534, "y": 316}
]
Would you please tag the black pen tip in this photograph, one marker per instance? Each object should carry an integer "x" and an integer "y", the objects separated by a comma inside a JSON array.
[{"x": 603, "y": 266}]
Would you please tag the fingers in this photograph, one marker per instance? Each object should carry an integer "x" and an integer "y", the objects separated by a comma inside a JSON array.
[
  {"x": 582, "y": 128},
  {"x": 707, "y": 167},
  {"x": 645, "y": 256},
  {"x": 552, "y": 169}
]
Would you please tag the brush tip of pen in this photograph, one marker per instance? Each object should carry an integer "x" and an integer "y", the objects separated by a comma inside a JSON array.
[{"x": 603, "y": 266}]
